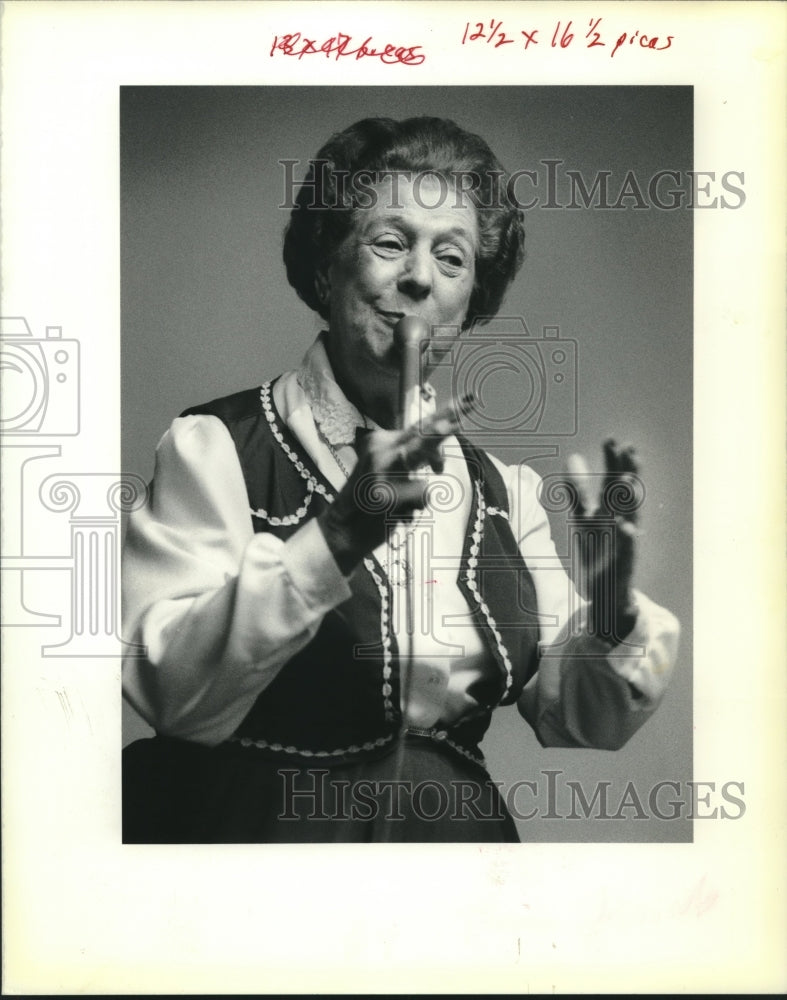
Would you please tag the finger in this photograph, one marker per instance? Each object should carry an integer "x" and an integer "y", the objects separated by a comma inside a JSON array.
[
  {"x": 412, "y": 495},
  {"x": 422, "y": 444},
  {"x": 628, "y": 527},
  {"x": 423, "y": 452},
  {"x": 414, "y": 451},
  {"x": 628, "y": 460},
  {"x": 620, "y": 459},
  {"x": 619, "y": 465},
  {"x": 436, "y": 459},
  {"x": 625, "y": 548},
  {"x": 362, "y": 435},
  {"x": 611, "y": 456},
  {"x": 622, "y": 471},
  {"x": 448, "y": 420},
  {"x": 633, "y": 500},
  {"x": 579, "y": 477}
]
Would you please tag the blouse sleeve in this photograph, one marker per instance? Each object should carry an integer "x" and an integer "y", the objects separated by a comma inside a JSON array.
[
  {"x": 586, "y": 693},
  {"x": 217, "y": 608}
]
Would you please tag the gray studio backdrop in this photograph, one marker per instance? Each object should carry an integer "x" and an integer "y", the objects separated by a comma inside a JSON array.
[{"x": 206, "y": 310}]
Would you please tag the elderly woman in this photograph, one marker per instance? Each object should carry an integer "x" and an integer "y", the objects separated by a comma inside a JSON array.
[{"x": 326, "y": 637}]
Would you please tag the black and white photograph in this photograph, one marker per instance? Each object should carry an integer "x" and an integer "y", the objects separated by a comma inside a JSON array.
[
  {"x": 393, "y": 510},
  {"x": 343, "y": 575}
]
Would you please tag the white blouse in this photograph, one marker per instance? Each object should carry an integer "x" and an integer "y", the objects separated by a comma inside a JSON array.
[{"x": 220, "y": 609}]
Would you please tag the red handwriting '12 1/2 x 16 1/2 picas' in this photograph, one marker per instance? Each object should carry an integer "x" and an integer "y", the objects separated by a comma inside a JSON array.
[{"x": 562, "y": 37}]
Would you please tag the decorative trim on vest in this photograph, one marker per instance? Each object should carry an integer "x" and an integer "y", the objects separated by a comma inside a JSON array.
[
  {"x": 313, "y": 485},
  {"x": 385, "y": 637},
  {"x": 437, "y": 735},
  {"x": 246, "y": 741},
  {"x": 441, "y": 736},
  {"x": 478, "y": 530}
]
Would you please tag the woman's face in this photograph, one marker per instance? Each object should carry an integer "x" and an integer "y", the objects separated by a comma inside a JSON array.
[{"x": 400, "y": 258}]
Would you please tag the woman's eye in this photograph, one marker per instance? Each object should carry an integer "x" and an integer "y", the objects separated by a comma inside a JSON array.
[
  {"x": 388, "y": 244},
  {"x": 451, "y": 260}
]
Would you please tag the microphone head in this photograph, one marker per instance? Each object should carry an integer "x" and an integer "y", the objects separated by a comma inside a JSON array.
[{"x": 410, "y": 330}]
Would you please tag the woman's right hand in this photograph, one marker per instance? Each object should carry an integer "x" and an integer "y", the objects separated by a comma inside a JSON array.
[{"x": 388, "y": 484}]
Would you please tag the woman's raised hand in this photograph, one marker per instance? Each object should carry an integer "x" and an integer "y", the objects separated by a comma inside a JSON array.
[
  {"x": 604, "y": 539},
  {"x": 388, "y": 484}
]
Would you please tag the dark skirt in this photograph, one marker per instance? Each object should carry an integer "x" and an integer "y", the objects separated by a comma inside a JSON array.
[{"x": 176, "y": 792}]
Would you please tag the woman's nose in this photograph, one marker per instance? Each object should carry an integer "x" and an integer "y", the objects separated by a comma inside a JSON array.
[{"x": 416, "y": 277}]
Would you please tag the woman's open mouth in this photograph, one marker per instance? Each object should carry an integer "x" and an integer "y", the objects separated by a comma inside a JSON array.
[{"x": 390, "y": 317}]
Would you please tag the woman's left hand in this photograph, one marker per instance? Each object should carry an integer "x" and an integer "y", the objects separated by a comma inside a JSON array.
[{"x": 604, "y": 540}]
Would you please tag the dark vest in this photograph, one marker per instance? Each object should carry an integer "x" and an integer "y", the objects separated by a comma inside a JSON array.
[{"x": 338, "y": 698}]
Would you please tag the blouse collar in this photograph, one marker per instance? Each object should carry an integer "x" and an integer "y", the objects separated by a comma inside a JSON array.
[
  {"x": 333, "y": 413},
  {"x": 336, "y": 417}
]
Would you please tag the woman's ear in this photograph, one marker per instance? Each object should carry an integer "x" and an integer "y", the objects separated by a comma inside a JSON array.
[{"x": 322, "y": 287}]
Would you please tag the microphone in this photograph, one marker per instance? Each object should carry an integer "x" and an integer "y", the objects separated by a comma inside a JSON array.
[{"x": 408, "y": 334}]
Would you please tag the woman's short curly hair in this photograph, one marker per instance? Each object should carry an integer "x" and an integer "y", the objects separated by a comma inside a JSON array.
[{"x": 322, "y": 214}]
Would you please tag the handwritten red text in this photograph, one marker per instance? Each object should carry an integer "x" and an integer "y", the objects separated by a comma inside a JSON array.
[
  {"x": 563, "y": 35},
  {"x": 341, "y": 46}
]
